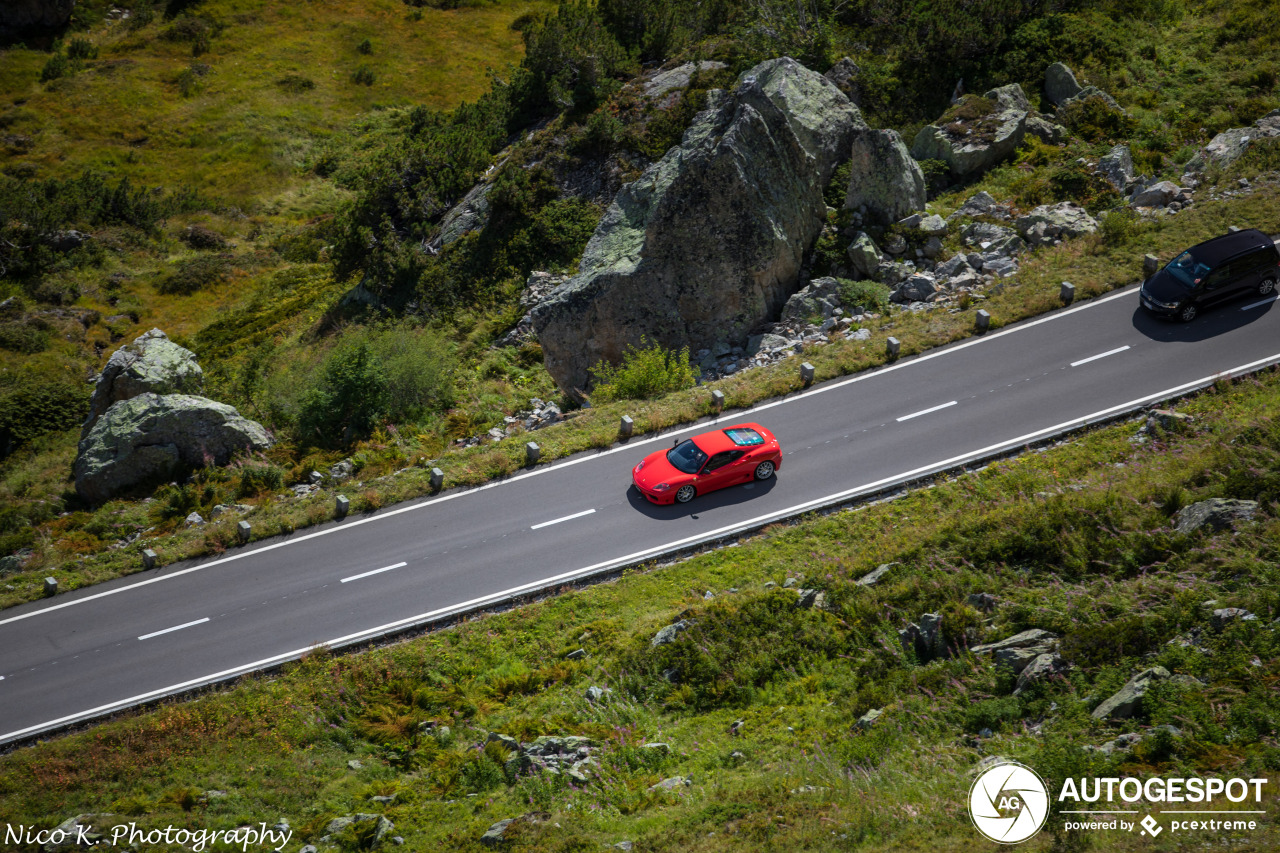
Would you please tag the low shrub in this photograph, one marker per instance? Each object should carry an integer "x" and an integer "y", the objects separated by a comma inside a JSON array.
[
  {"x": 23, "y": 338},
  {"x": 363, "y": 76},
  {"x": 646, "y": 371},
  {"x": 871, "y": 295},
  {"x": 32, "y": 405},
  {"x": 257, "y": 478},
  {"x": 193, "y": 274},
  {"x": 1095, "y": 120}
]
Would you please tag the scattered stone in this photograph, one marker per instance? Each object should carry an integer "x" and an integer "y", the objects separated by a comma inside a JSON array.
[
  {"x": 493, "y": 836},
  {"x": 679, "y": 77},
  {"x": 1040, "y": 668},
  {"x": 353, "y": 764},
  {"x": 978, "y": 204},
  {"x": 811, "y": 599},
  {"x": 1127, "y": 700},
  {"x": 1224, "y": 616},
  {"x": 1230, "y": 145},
  {"x": 670, "y": 632},
  {"x": 984, "y": 601},
  {"x": 624, "y": 846},
  {"x": 1167, "y": 421},
  {"x": 821, "y": 298},
  {"x": 1214, "y": 514},
  {"x": 884, "y": 180},
  {"x": 381, "y": 825},
  {"x": 790, "y": 582},
  {"x": 874, "y": 576},
  {"x": 1117, "y": 167},
  {"x": 671, "y": 784},
  {"x": 1050, "y": 224},
  {"x": 1156, "y": 195},
  {"x": 576, "y": 654},
  {"x": 194, "y": 520},
  {"x": 869, "y": 719},
  {"x": 1021, "y": 649},
  {"x": 598, "y": 695}
]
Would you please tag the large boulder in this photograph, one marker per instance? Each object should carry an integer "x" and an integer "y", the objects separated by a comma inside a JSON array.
[
  {"x": 819, "y": 298},
  {"x": 883, "y": 177},
  {"x": 972, "y": 144},
  {"x": 1050, "y": 223},
  {"x": 1018, "y": 651},
  {"x": 1117, "y": 167},
  {"x": 470, "y": 214},
  {"x": 865, "y": 256},
  {"x": 1128, "y": 700},
  {"x": 708, "y": 242},
  {"x": 1156, "y": 195},
  {"x": 1214, "y": 514},
  {"x": 150, "y": 437},
  {"x": 845, "y": 75},
  {"x": 1230, "y": 145},
  {"x": 1060, "y": 84},
  {"x": 152, "y": 364},
  {"x": 18, "y": 17}
]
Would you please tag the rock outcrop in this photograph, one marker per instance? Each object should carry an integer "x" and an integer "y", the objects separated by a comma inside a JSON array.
[
  {"x": 1214, "y": 514},
  {"x": 709, "y": 241},
  {"x": 885, "y": 182},
  {"x": 679, "y": 77},
  {"x": 152, "y": 364},
  {"x": 971, "y": 146},
  {"x": 1128, "y": 700},
  {"x": 1049, "y": 224},
  {"x": 1230, "y": 145},
  {"x": 18, "y": 17},
  {"x": 149, "y": 437},
  {"x": 1117, "y": 167},
  {"x": 1060, "y": 84},
  {"x": 845, "y": 75}
]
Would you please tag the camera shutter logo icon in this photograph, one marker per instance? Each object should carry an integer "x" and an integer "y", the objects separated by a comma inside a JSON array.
[{"x": 1009, "y": 803}]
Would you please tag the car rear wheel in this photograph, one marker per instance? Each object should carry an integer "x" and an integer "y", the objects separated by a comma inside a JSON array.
[
  {"x": 1187, "y": 313},
  {"x": 1266, "y": 286},
  {"x": 764, "y": 470},
  {"x": 684, "y": 494}
]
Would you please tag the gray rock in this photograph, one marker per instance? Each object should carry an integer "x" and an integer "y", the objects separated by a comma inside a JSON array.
[
  {"x": 925, "y": 638},
  {"x": 883, "y": 177},
  {"x": 1129, "y": 698},
  {"x": 470, "y": 214},
  {"x": 865, "y": 256},
  {"x": 23, "y": 17},
  {"x": 1214, "y": 514},
  {"x": 873, "y": 577},
  {"x": 1117, "y": 167},
  {"x": 549, "y": 745},
  {"x": 10, "y": 564},
  {"x": 753, "y": 166},
  {"x": 507, "y": 741},
  {"x": 664, "y": 748},
  {"x": 576, "y": 654},
  {"x": 819, "y": 298},
  {"x": 933, "y": 225},
  {"x": 149, "y": 437},
  {"x": 353, "y": 764},
  {"x": 869, "y": 719},
  {"x": 952, "y": 267},
  {"x": 381, "y": 828},
  {"x": 844, "y": 74},
  {"x": 598, "y": 695},
  {"x": 670, "y": 632},
  {"x": 624, "y": 846},
  {"x": 672, "y": 784},
  {"x": 678, "y": 77},
  {"x": 1017, "y": 652},
  {"x": 1046, "y": 130},
  {"x": 1060, "y": 84},
  {"x": 1049, "y": 223},
  {"x": 917, "y": 288},
  {"x": 1224, "y": 616},
  {"x": 493, "y": 836},
  {"x": 985, "y": 235},
  {"x": 984, "y": 601},
  {"x": 194, "y": 519},
  {"x": 1157, "y": 195},
  {"x": 1230, "y": 145},
  {"x": 151, "y": 364},
  {"x": 1168, "y": 421},
  {"x": 1085, "y": 94},
  {"x": 972, "y": 147},
  {"x": 1042, "y": 667},
  {"x": 811, "y": 599},
  {"x": 69, "y": 832},
  {"x": 978, "y": 204}
]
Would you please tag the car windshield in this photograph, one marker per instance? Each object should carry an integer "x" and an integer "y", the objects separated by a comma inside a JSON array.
[
  {"x": 686, "y": 457},
  {"x": 1186, "y": 270}
]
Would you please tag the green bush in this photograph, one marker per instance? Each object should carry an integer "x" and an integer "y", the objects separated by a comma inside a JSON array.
[
  {"x": 1094, "y": 120},
  {"x": 365, "y": 47},
  {"x": 363, "y": 76},
  {"x": 32, "y": 405},
  {"x": 23, "y": 338},
  {"x": 645, "y": 372},
  {"x": 349, "y": 399},
  {"x": 57, "y": 67},
  {"x": 871, "y": 295},
  {"x": 259, "y": 477},
  {"x": 1118, "y": 227},
  {"x": 81, "y": 48},
  {"x": 192, "y": 274},
  {"x": 295, "y": 83}
]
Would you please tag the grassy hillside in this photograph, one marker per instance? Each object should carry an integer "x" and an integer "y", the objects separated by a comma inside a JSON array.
[{"x": 758, "y": 700}]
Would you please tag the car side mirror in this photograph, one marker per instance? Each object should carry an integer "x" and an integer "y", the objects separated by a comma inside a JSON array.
[{"x": 675, "y": 442}]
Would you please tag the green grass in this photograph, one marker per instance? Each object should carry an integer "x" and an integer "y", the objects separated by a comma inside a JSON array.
[{"x": 1075, "y": 539}]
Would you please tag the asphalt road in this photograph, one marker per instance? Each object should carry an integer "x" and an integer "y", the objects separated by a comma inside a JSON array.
[{"x": 99, "y": 649}]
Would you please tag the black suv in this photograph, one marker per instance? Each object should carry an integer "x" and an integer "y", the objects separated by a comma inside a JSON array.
[{"x": 1212, "y": 272}]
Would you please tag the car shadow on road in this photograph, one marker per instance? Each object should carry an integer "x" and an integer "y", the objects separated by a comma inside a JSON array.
[
  {"x": 1218, "y": 320},
  {"x": 702, "y": 503}
]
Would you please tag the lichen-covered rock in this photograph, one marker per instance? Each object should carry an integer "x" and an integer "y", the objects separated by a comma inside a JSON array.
[
  {"x": 972, "y": 146},
  {"x": 1060, "y": 84},
  {"x": 1050, "y": 223},
  {"x": 28, "y": 16},
  {"x": 679, "y": 77},
  {"x": 151, "y": 364},
  {"x": 151, "y": 436},
  {"x": 883, "y": 177},
  {"x": 819, "y": 298},
  {"x": 708, "y": 242},
  {"x": 1117, "y": 167},
  {"x": 1214, "y": 514},
  {"x": 470, "y": 214},
  {"x": 1126, "y": 702},
  {"x": 1230, "y": 145},
  {"x": 1046, "y": 130},
  {"x": 1156, "y": 195},
  {"x": 865, "y": 256}
]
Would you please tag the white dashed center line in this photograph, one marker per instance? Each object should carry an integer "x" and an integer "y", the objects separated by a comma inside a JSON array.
[
  {"x": 174, "y": 628},
  {"x": 558, "y": 520},
  {"x": 374, "y": 572},
  {"x": 1098, "y": 356},
  {"x": 926, "y": 411}
]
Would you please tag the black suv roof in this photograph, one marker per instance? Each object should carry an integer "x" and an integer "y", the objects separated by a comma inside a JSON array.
[{"x": 1219, "y": 249}]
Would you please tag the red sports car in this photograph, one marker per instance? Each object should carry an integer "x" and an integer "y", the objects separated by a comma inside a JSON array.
[{"x": 704, "y": 463}]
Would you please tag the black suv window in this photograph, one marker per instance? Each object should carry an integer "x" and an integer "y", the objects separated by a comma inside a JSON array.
[
  {"x": 1252, "y": 263},
  {"x": 1186, "y": 269}
]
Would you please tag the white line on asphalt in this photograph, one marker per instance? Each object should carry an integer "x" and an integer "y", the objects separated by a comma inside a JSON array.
[
  {"x": 374, "y": 572},
  {"x": 464, "y": 606},
  {"x": 558, "y": 520},
  {"x": 174, "y": 628},
  {"x": 926, "y": 411},
  {"x": 1084, "y": 306},
  {"x": 1260, "y": 304},
  {"x": 1098, "y": 356}
]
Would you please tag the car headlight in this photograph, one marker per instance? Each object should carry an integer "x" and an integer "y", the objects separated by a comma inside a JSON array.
[
  {"x": 662, "y": 487},
  {"x": 638, "y": 467}
]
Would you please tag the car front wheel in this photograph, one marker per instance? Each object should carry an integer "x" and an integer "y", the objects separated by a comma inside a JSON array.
[
  {"x": 1187, "y": 313},
  {"x": 684, "y": 494},
  {"x": 1266, "y": 286},
  {"x": 764, "y": 470}
]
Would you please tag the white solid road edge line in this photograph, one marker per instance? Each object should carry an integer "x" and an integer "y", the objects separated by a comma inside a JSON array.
[
  {"x": 465, "y": 606},
  {"x": 1266, "y": 301},
  {"x": 1099, "y": 355},
  {"x": 927, "y": 411},
  {"x": 374, "y": 572},
  {"x": 347, "y": 525},
  {"x": 558, "y": 520},
  {"x": 174, "y": 628}
]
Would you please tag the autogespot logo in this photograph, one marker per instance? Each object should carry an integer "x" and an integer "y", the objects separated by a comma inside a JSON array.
[{"x": 1009, "y": 803}]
